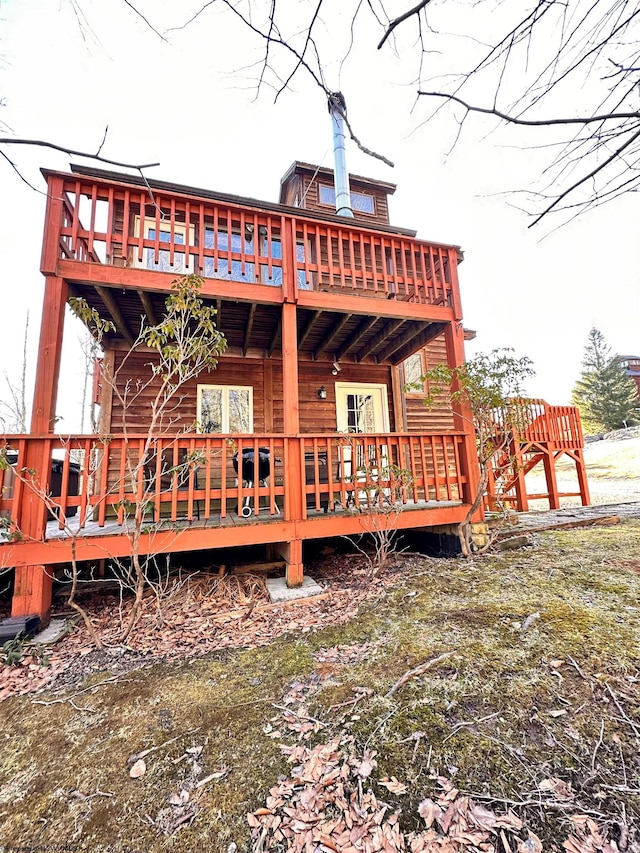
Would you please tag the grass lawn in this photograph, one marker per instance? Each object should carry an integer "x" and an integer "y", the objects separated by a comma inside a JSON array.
[{"x": 541, "y": 683}]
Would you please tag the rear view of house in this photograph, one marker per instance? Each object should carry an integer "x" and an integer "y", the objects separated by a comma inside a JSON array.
[{"x": 326, "y": 317}]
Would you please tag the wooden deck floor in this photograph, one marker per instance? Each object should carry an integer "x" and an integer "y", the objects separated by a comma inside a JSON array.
[{"x": 113, "y": 528}]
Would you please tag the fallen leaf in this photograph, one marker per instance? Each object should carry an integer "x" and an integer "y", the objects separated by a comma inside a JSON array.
[
  {"x": 559, "y": 713},
  {"x": 429, "y": 811},
  {"x": 138, "y": 769},
  {"x": 394, "y": 785}
]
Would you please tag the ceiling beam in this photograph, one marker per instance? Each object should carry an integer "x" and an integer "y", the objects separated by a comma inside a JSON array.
[
  {"x": 307, "y": 329},
  {"x": 114, "y": 309},
  {"x": 420, "y": 340},
  {"x": 147, "y": 304},
  {"x": 389, "y": 329},
  {"x": 247, "y": 334},
  {"x": 333, "y": 334},
  {"x": 365, "y": 326},
  {"x": 401, "y": 341}
]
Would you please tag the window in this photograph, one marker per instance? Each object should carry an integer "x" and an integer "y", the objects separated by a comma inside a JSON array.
[
  {"x": 225, "y": 408},
  {"x": 234, "y": 269},
  {"x": 360, "y": 202},
  {"x": 164, "y": 238},
  {"x": 413, "y": 370}
]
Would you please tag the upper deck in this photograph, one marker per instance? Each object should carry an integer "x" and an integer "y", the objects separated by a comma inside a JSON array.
[{"x": 104, "y": 230}]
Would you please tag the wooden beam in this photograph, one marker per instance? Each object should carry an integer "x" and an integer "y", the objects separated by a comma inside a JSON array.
[
  {"x": 420, "y": 340},
  {"x": 311, "y": 323},
  {"x": 333, "y": 334},
  {"x": 397, "y": 343},
  {"x": 391, "y": 327},
  {"x": 218, "y": 312},
  {"x": 113, "y": 308},
  {"x": 149, "y": 310},
  {"x": 365, "y": 326},
  {"x": 352, "y": 303},
  {"x": 162, "y": 282},
  {"x": 45, "y": 392},
  {"x": 249, "y": 329}
]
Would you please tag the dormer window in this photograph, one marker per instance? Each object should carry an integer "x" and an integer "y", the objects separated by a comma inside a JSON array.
[{"x": 360, "y": 202}]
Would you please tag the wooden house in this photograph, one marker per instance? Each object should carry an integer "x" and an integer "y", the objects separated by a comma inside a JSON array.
[{"x": 325, "y": 318}]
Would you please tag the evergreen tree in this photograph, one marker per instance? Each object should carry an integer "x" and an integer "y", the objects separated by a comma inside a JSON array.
[{"x": 604, "y": 394}]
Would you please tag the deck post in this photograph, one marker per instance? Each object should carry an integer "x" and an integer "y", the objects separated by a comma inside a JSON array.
[
  {"x": 45, "y": 391},
  {"x": 32, "y": 592},
  {"x": 581, "y": 471},
  {"x": 33, "y": 584},
  {"x": 549, "y": 462},
  {"x": 463, "y": 419},
  {"x": 522, "y": 499},
  {"x": 291, "y": 551}
]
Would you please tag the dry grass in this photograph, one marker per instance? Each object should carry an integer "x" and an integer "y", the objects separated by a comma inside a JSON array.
[{"x": 519, "y": 701}]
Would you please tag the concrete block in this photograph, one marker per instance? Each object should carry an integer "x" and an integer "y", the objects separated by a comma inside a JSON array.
[{"x": 279, "y": 591}]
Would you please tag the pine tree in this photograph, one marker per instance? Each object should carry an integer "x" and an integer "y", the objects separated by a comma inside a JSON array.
[{"x": 604, "y": 394}]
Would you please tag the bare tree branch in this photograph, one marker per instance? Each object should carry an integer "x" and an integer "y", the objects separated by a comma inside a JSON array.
[
  {"x": 147, "y": 22},
  {"x": 43, "y": 143},
  {"x": 401, "y": 18},
  {"x": 547, "y": 122}
]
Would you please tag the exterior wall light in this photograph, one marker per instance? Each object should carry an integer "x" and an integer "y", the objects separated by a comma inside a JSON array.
[{"x": 322, "y": 393}]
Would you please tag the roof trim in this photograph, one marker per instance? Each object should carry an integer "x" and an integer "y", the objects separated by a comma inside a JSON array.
[{"x": 326, "y": 172}]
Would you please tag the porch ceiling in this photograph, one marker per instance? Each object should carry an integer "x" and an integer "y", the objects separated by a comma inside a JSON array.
[{"x": 255, "y": 329}]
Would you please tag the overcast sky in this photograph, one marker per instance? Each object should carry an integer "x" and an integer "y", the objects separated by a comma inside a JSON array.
[{"x": 190, "y": 104}]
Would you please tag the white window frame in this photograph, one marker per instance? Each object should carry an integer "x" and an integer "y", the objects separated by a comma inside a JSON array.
[
  {"x": 379, "y": 396},
  {"x": 225, "y": 389},
  {"x": 164, "y": 225},
  {"x": 423, "y": 369}
]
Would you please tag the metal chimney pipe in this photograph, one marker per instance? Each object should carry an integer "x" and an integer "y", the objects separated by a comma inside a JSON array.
[{"x": 337, "y": 110}]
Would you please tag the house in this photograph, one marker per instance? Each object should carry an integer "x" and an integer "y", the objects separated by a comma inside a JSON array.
[{"x": 326, "y": 316}]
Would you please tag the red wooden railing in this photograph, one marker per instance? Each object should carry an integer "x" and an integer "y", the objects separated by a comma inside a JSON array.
[
  {"x": 87, "y": 480},
  {"x": 109, "y": 223},
  {"x": 538, "y": 422}
]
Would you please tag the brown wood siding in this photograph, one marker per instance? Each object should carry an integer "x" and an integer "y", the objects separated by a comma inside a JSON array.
[
  {"x": 437, "y": 418},
  {"x": 230, "y": 371},
  {"x": 309, "y": 198},
  {"x": 265, "y": 377},
  {"x": 319, "y": 416}
]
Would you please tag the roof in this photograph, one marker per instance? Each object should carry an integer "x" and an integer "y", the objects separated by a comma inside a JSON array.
[{"x": 229, "y": 198}]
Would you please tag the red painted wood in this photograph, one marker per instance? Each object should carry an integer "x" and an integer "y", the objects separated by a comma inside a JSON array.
[{"x": 49, "y": 353}]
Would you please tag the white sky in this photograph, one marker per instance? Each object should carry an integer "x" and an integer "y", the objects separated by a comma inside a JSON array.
[{"x": 191, "y": 107}]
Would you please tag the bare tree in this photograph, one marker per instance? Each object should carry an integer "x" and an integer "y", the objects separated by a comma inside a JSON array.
[
  {"x": 183, "y": 344},
  {"x": 564, "y": 70},
  {"x": 490, "y": 388},
  {"x": 568, "y": 69}
]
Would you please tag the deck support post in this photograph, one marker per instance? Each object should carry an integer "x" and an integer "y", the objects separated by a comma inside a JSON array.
[
  {"x": 549, "y": 462},
  {"x": 583, "y": 484},
  {"x": 45, "y": 392},
  {"x": 33, "y": 584},
  {"x": 32, "y": 592},
  {"x": 291, "y": 553},
  {"x": 522, "y": 499}
]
